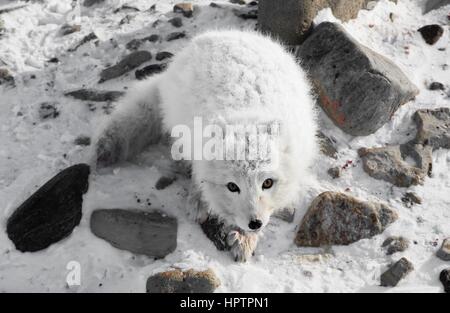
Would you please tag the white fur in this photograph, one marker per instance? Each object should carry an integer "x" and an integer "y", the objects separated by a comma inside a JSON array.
[{"x": 230, "y": 77}]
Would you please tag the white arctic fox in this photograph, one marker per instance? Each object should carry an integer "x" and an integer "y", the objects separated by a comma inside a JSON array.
[{"x": 225, "y": 77}]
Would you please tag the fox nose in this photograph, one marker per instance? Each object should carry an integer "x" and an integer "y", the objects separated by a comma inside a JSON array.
[{"x": 255, "y": 224}]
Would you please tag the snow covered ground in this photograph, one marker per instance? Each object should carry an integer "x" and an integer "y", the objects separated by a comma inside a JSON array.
[{"x": 32, "y": 151}]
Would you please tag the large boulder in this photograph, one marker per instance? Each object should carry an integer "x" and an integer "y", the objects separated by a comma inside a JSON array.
[
  {"x": 52, "y": 212},
  {"x": 338, "y": 219},
  {"x": 149, "y": 233},
  {"x": 190, "y": 281},
  {"x": 358, "y": 88},
  {"x": 290, "y": 20},
  {"x": 391, "y": 163}
]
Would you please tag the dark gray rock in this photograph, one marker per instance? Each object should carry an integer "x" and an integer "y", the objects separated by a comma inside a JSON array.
[
  {"x": 48, "y": 110},
  {"x": 395, "y": 244},
  {"x": 162, "y": 55},
  {"x": 164, "y": 182},
  {"x": 444, "y": 251},
  {"x": 95, "y": 95},
  {"x": 134, "y": 44},
  {"x": 434, "y": 4},
  {"x": 286, "y": 214},
  {"x": 176, "y": 22},
  {"x": 186, "y": 8},
  {"x": 175, "y": 36},
  {"x": 390, "y": 163},
  {"x": 291, "y": 20},
  {"x": 6, "y": 79},
  {"x": 150, "y": 70},
  {"x": 148, "y": 233},
  {"x": 51, "y": 213},
  {"x": 126, "y": 7},
  {"x": 82, "y": 141},
  {"x": 89, "y": 3},
  {"x": 396, "y": 272},
  {"x": 176, "y": 281},
  {"x": 436, "y": 86},
  {"x": 129, "y": 62},
  {"x": 87, "y": 38},
  {"x": 327, "y": 145},
  {"x": 433, "y": 128},
  {"x": 358, "y": 88},
  {"x": 67, "y": 29},
  {"x": 247, "y": 14},
  {"x": 444, "y": 277},
  {"x": 334, "y": 172},
  {"x": 339, "y": 219},
  {"x": 431, "y": 33},
  {"x": 410, "y": 198}
]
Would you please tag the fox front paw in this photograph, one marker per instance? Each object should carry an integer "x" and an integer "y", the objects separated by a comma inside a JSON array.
[{"x": 242, "y": 246}]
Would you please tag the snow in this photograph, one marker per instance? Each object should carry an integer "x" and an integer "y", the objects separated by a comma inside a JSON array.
[{"x": 32, "y": 151}]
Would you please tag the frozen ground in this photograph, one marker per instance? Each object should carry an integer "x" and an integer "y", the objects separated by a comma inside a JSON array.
[{"x": 33, "y": 150}]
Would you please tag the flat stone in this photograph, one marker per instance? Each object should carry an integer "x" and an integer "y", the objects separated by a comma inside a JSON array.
[
  {"x": 82, "y": 141},
  {"x": 129, "y": 62},
  {"x": 95, "y": 95},
  {"x": 48, "y": 110},
  {"x": 444, "y": 277},
  {"x": 433, "y": 128},
  {"x": 164, "y": 182},
  {"x": 396, "y": 272},
  {"x": 162, "y": 55},
  {"x": 176, "y": 22},
  {"x": 148, "y": 233},
  {"x": 150, "y": 70},
  {"x": 52, "y": 212},
  {"x": 358, "y": 88},
  {"x": 444, "y": 251},
  {"x": 391, "y": 164},
  {"x": 67, "y": 29},
  {"x": 134, "y": 44},
  {"x": 89, "y": 3},
  {"x": 431, "y": 33},
  {"x": 436, "y": 86},
  {"x": 291, "y": 20},
  {"x": 177, "y": 281},
  {"x": 395, "y": 244},
  {"x": 186, "y": 8},
  {"x": 338, "y": 219},
  {"x": 86, "y": 39},
  {"x": 175, "y": 36}
]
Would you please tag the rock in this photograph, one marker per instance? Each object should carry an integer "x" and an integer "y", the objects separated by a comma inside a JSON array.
[
  {"x": 95, "y": 95},
  {"x": 136, "y": 43},
  {"x": 126, "y": 7},
  {"x": 83, "y": 141},
  {"x": 334, "y": 172},
  {"x": 444, "y": 277},
  {"x": 434, "y": 4},
  {"x": 150, "y": 70},
  {"x": 395, "y": 244},
  {"x": 291, "y": 20},
  {"x": 247, "y": 14},
  {"x": 129, "y": 62},
  {"x": 176, "y": 22},
  {"x": 48, "y": 109},
  {"x": 149, "y": 233},
  {"x": 286, "y": 214},
  {"x": 358, "y": 88},
  {"x": 164, "y": 182},
  {"x": 187, "y": 9},
  {"x": 431, "y": 33},
  {"x": 436, "y": 86},
  {"x": 67, "y": 29},
  {"x": 410, "y": 198},
  {"x": 176, "y": 281},
  {"x": 391, "y": 164},
  {"x": 338, "y": 219},
  {"x": 327, "y": 145},
  {"x": 163, "y": 55},
  {"x": 6, "y": 79},
  {"x": 444, "y": 251},
  {"x": 396, "y": 272},
  {"x": 87, "y": 38},
  {"x": 53, "y": 60},
  {"x": 52, "y": 212},
  {"x": 175, "y": 35},
  {"x": 240, "y": 2},
  {"x": 433, "y": 128},
  {"x": 88, "y": 3}
]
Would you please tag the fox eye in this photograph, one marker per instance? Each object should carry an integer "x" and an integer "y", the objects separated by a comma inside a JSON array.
[
  {"x": 233, "y": 187},
  {"x": 267, "y": 184}
]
